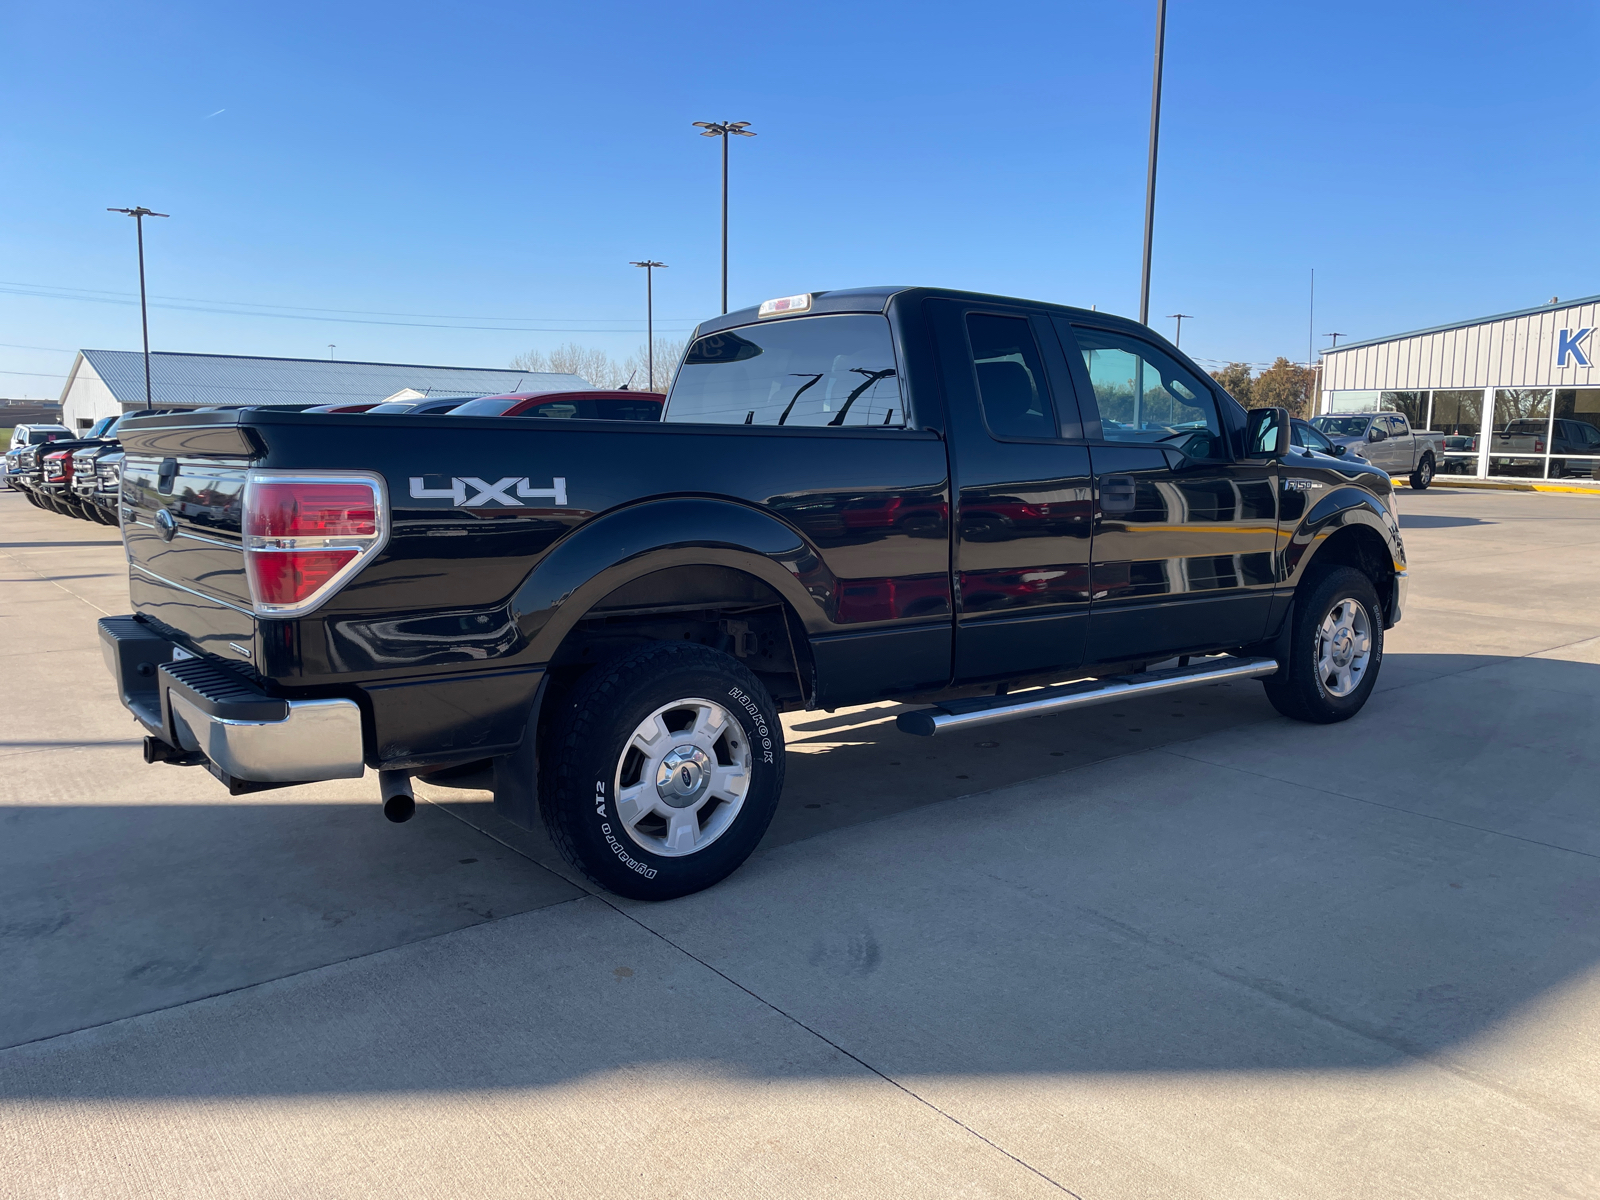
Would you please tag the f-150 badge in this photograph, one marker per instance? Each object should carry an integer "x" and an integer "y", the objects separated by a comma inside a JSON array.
[{"x": 509, "y": 491}]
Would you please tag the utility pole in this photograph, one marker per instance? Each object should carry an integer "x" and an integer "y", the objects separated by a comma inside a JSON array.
[
  {"x": 138, "y": 215},
  {"x": 650, "y": 315},
  {"x": 723, "y": 130},
  {"x": 1311, "y": 323},
  {"x": 1335, "y": 337},
  {"x": 1180, "y": 318},
  {"x": 1150, "y": 179}
]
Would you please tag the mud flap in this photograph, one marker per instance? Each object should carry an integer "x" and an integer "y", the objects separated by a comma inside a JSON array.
[{"x": 516, "y": 775}]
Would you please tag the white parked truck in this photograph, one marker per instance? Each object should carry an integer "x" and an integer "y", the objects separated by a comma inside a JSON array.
[{"x": 1387, "y": 441}]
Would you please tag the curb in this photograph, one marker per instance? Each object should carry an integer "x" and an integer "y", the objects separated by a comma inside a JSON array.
[{"x": 1490, "y": 485}]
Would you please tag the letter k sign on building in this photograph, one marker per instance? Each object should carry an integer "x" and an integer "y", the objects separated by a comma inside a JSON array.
[{"x": 1570, "y": 342}]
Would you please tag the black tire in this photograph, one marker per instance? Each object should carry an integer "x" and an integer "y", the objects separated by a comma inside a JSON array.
[
  {"x": 1299, "y": 689},
  {"x": 1423, "y": 475},
  {"x": 586, "y": 753}
]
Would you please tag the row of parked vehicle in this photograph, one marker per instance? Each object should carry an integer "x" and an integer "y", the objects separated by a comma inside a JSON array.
[{"x": 80, "y": 475}]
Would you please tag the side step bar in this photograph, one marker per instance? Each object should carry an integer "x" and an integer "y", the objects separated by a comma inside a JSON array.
[{"x": 955, "y": 715}]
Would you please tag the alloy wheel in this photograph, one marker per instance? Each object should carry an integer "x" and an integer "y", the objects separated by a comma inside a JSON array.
[{"x": 683, "y": 777}]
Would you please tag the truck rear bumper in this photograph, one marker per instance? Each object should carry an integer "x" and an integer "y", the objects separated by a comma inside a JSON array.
[{"x": 197, "y": 706}]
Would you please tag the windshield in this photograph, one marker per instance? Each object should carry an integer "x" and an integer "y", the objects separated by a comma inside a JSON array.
[
  {"x": 397, "y": 406},
  {"x": 99, "y": 428},
  {"x": 1341, "y": 426},
  {"x": 37, "y": 437}
]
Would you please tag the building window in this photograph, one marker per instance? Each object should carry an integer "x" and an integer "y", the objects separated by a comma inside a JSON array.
[
  {"x": 1413, "y": 404},
  {"x": 1521, "y": 433},
  {"x": 1459, "y": 416},
  {"x": 1354, "y": 402}
]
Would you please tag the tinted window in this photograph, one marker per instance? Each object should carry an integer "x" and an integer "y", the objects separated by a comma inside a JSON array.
[
  {"x": 1144, "y": 395},
  {"x": 1011, "y": 380},
  {"x": 395, "y": 406},
  {"x": 812, "y": 371},
  {"x": 1343, "y": 426},
  {"x": 1397, "y": 426},
  {"x": 597, "y": 410},
  {"x": 1306, "y": 436}
]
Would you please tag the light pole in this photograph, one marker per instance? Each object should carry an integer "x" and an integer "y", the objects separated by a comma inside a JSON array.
[
  {"x": 650, "y": 316},
  {"x": 1150, "y": 178},
  {"x": 1335, "y": 337},
  {"x": 723, "y": 129},
  {"x": 1180, "y": 318},
  {"x": 331, "y": 349},
  {"x": 138, "y": 215}
]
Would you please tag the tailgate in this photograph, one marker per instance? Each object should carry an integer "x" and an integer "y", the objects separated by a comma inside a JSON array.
[{"x": 182, "y": 503}]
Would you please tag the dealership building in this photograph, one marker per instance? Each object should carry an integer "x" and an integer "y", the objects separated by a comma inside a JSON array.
[{"x": 1517, "y": 394}]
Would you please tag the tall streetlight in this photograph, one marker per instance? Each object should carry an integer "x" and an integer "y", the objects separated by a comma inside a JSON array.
[
  {"x": 650, "y": 316},
  {"x": 723, "y": 129},
  {"x": 138, "y": 215},
  {"x": 1150, "y": 178},
  {"x": 1180, "y": 318}
]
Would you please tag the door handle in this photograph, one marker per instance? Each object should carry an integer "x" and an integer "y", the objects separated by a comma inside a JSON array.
[{"x": 1117, "y": 493}]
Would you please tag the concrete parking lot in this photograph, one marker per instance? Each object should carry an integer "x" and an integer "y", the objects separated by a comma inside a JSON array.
[{"x": 1175, "y": 947}]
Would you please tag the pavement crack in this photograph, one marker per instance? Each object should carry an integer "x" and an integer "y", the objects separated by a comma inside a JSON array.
[{"x": 603, "y": 898}]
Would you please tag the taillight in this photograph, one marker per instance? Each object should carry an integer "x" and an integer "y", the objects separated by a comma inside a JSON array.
[{"x": 306, "y": 536}]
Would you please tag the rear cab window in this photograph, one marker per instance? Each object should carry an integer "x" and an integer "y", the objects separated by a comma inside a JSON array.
[{"x": 828, "y": 371}]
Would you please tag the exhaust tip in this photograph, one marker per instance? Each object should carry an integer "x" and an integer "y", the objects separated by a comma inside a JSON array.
[{"x": 399, "y": 808}]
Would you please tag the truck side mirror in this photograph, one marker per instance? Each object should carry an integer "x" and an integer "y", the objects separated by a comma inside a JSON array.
[
  {"x": 1266, "y": 433},
  {"x": 1376, "y": 434}
]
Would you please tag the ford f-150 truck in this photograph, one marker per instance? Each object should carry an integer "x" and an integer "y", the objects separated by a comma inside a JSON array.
[
  {"x": 986, "y": 507},
  {"x": 1386, "y": 440}
]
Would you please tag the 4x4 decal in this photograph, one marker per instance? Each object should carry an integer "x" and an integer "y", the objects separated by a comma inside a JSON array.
[{"x": 499, "y": 492}]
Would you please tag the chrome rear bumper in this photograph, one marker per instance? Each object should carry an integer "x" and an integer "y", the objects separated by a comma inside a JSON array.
[{"x": 200, "y": 707}]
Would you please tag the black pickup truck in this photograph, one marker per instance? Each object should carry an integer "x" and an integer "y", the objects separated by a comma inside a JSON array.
[{"x": 988, "y": 507}]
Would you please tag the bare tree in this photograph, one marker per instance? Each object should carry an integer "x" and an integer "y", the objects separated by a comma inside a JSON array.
[{"x": 603, "y": 371}]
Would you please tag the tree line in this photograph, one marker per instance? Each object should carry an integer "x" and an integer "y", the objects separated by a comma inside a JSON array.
[
  {"x": 1282, "y": 385},
  {"x": 603, "y": 371}
]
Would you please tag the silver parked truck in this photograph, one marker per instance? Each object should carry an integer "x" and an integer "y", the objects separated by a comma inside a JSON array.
[{"x": 1387, "y": 441}]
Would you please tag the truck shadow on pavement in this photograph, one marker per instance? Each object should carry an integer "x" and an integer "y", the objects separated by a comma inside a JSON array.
[{"x": 1261, "y": 896}]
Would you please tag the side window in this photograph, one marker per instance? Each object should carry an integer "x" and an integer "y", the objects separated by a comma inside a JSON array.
[
  {"x": 1146, "y": 396},
  {"x": 1011, "y": 379},
  {"x": 812, "y": 371},
  {"x": 1398, "y": 427}
]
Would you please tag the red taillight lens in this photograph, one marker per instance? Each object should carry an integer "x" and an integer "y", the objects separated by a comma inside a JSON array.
[
  {"x": 301, "y": 510},
  {"x": 306, "y": 536}
]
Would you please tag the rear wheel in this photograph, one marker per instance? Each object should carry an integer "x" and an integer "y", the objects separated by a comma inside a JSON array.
[
  {"x": 663, "y": 772},
  {"x": 1423, "y": 475},
  {"x": 1335, "y": 649}
]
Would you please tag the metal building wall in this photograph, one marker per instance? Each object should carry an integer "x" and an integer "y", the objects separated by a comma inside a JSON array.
[
  {"x": 86, "y": 398},
  {"x": 1514, "y": 350}
]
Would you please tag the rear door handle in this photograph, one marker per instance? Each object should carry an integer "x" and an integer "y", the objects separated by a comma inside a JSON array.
[{"x": 1117, "y": 493}]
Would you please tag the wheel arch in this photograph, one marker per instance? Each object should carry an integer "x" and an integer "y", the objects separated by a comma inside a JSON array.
[
  {"x": 671, "y": 568},
  {"x": 1349, "y": 528}
]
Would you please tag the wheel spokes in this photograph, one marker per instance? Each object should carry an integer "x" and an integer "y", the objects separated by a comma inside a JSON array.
[
  {"x": 635, "y": 803},
  {"x": 683, "y": 828},
  {"x": 709, "y": 723},
  {"x": 728, "y": 783}
]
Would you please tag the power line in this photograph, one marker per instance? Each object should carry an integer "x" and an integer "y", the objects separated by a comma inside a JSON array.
[{"x": 288, "y": 312}]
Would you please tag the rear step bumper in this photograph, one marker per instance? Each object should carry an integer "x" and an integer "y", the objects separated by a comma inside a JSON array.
[
  {"x": 988, "y": 710},
  {"x": 200, "y": 707}
]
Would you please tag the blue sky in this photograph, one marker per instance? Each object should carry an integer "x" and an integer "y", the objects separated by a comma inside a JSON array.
[{"x": 393, "y": 178}]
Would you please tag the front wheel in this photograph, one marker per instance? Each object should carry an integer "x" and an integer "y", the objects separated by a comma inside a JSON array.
[
  {"x": 1335, "y": 650},
  {"x": 1423, "y": 475},
  {"x": 663, "y": 770}
]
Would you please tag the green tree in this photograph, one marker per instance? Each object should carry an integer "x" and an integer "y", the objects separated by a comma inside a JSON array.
[
  {"x": 1283, "y": 385},
  {"x": 1235, "y": 379}
]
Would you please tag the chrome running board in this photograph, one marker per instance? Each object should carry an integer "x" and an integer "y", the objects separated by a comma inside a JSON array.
[{"x": 989, "y": 710}]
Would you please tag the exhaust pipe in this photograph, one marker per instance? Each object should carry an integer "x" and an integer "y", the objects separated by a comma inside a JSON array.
[{"x": 399, "y": 801}]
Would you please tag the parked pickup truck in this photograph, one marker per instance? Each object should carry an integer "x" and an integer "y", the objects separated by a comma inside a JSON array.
[
  {"x": 987, "y": 507},
  {"x": 1386, "y": 440}
]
